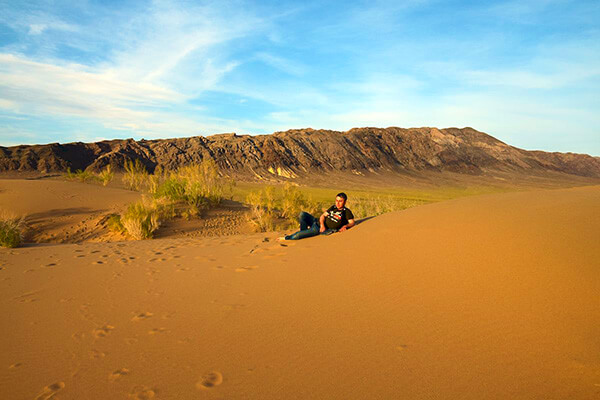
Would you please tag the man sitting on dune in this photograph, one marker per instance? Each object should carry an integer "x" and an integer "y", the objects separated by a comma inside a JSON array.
[{"x": 337, "y": 218}]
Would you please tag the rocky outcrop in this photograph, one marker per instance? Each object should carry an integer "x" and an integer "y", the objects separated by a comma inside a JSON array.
[{"x": 304, "y": 151}]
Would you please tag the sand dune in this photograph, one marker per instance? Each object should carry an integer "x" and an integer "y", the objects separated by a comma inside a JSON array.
[
  {"x": 485, "y": 297},
  {"x": 61, "y": 211}
]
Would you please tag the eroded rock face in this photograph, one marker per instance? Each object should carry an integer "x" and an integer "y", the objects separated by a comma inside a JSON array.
[{"x": 303, "y": 151}]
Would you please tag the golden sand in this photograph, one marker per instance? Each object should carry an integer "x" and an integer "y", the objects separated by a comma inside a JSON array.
[{"x": 492, "y": 296}]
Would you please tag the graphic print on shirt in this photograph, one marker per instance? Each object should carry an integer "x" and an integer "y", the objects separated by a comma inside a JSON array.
[{"x": 337, "y": 218}]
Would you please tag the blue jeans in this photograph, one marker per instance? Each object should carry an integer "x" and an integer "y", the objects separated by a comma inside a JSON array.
[{"x": 309, "y": 226}]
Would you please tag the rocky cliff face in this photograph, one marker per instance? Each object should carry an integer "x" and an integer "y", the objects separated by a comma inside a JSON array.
[{"x": 306, "y": 151}]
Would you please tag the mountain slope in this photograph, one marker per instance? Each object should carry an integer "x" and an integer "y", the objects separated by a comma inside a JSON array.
[{"x": 305, "y": 151}]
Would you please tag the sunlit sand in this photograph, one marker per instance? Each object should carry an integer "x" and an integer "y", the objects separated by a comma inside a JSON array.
[{"x": 493, "y": 296}]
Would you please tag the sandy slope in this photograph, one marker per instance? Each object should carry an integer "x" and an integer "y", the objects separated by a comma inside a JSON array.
[
  {"x": 485, "y": 297},
  {"x": 62, "y": 211}
]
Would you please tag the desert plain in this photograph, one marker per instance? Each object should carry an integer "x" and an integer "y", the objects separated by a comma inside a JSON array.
[{"x": 494, "y": 296}]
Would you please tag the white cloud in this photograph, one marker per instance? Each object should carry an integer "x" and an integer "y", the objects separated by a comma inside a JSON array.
[
  {"x": 282, "y": 64},
  {"x": 36, "y": 29}
]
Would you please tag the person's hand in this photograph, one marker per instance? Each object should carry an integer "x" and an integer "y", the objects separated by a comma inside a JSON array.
[
  {"x": 322, "y": 229},
  {"x": 343, "y": 228}
]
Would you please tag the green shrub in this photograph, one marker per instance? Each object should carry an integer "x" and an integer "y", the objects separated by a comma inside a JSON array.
[
  {"x": 203, "y": 184},
  {"x": 262, "y": 214},
  {"x": 82, "y": 176},
  {"x": 171, "y": 188},
  {"x": 140, "y": 220},
  {"x": 10, "y": 231},
  {"x": 136, "y": 176},
  {"x": 154, "y": 180},
  {"x": 272, "y": 209},
  {"x": 106, "y": 175},
  {"x": 197, "y": 186},
  {"x": 69, "y": 175},
  {"x": 115, "y": 225}
]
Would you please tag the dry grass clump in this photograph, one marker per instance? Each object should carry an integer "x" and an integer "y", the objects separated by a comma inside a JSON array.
[
  {"x": 141, "y": 219},
  {"x": 197, "y": 186},
  {"x": 81, "y": 176},
  {"x": 136, "y": 176},
  {"x": 104, "y": 177},
  {"x": 273, "y": 209},
  {"x": 185, "y": 192},
  {"x": 10, "y": 230},
  {"x": 262, "y": 215},
  {"x": 363, "y": 207}
]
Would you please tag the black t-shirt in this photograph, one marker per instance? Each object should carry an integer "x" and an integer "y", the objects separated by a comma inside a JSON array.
[{"x": 335, "y": 218}]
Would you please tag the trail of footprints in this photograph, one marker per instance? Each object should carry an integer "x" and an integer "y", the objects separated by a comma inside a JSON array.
[{"x": 207, "y": 381}]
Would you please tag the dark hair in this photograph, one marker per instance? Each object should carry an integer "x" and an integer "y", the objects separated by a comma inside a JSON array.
[{"x": 342, "y": 195}]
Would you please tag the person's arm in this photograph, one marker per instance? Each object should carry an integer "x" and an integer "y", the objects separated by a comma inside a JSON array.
[
  {"x": 349, "y": 225},
  {"x": 322, "y": 222}
]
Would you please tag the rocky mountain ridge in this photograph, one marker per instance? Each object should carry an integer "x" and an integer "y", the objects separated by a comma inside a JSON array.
[{"x": 306, "y": 151}]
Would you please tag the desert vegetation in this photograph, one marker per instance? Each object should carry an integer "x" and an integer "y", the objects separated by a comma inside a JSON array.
[
  {"x": 277, "y": 208},
  {"x": 11, "y": 228},
  {"x": 371, "y": 206},
  {"x": 274, "y": 208},
  {"x": 135, "y": 176},
  {"x": 142, "y": 218},
  {"x": 186, "y": 192},
  {"x": 105, "y": 176}
]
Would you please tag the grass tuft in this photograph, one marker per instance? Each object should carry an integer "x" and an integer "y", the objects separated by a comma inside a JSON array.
[
  {"x": 10, "y": 230},
  {"x": 106, "y": 175},
  {"x": 136, "y": 176},
  {"x": 81, "y": 176},
  {"x": 278, "y": 208}
]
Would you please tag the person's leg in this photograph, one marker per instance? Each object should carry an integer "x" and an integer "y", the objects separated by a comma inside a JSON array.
[
  {"x": 306, "y": 220},
  {"x": 309, "y": 226}
]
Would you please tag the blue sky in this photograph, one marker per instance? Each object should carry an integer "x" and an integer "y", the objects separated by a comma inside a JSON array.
[{"x": 526, "y": 72}]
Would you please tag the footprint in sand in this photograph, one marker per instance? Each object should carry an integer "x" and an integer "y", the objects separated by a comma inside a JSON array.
[
  {"x": 156, "y": 331},
  {"x": 96, "y": 354},
  {"x": 142, "y": 393},
  {"x": 210, "y": 380},
  {"x": 27, "y": 297},
  {"x": 142, "y": 316},
  {"x": 50, "y": 265},
  {"x": 103, "y": 332},
  {"x": 247, "y": 268},
  {"x": 49, "y": 391},
  {"x": 118, "y": 374},
  {"x": 15, "y": 366}
]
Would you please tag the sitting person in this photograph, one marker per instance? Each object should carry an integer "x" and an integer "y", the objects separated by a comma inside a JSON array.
[{"x": 337, "y": 218}]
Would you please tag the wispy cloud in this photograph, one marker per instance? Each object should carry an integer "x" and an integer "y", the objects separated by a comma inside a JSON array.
[{"x": 524, "y": 71}]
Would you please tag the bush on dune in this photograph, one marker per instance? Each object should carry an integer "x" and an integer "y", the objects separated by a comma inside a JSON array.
[
  {"x": 10, "y": 230},
  {"x": 199, "y": 186},
  {"x": 184, "y": 192},
  {"x": 81, "y": 176},
  {"x": 141, "y": 219},
  {"x": 136, "y": 176},
  {"x": 106, "y": 175},
  {"x": 262, "y": 215},
  {"x": 272, "y": 209}
]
